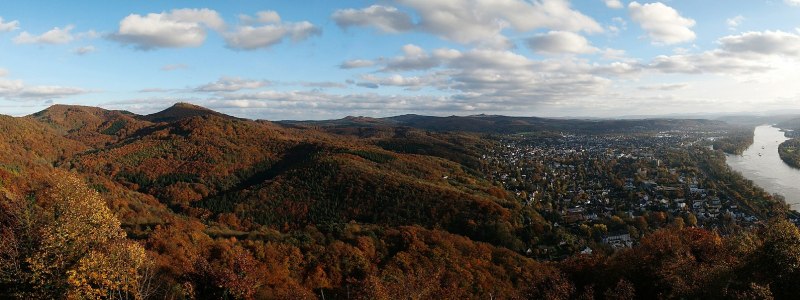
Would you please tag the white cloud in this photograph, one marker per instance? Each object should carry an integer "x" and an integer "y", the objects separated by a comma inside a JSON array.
[
  {"x": 56, "y": 35},
  {"x": 616, "y": 68},
  {"x": 497, "y": 80},
  {"x": 8, "y": 26},
  {"x": 750, "y": 56},
  {"x": 749, "y": 53},
  {"x": 734, "y": 22},
  {"x": 10, "y": 87},
  {"x": 664, "y": 87},
  {"x": 176, "y": 29},
  {"x": 3, "y": 72},
  {"x": 84, "y": 50},
  {"x": 477, "y": 22},
  {"x": 357, "y": 63},
  {"x": 614, "y": 54},
  {"x": 384, "y": 18},
  {"x": 560, "y": 42},
  {"x": 792, "y": 2},
  {"x": 48, "y": 92},
  {"x": 269, "y": 32},
  {"x": 17, "y": 90},
  {"x": 316, "y": 104},
  {"x": 231, "y": 84},
  {"x": 663, "y": 24},
  {"x": 615, "y": 4},
  {"x": 409, "y": 82},
  {"x": 713, "y": 61},
  {"x": 265, "y": 36},
  {"x": 204, "y": 16},
  {"x": 763, "y": 43},
  {"x": 189, "y": 28},
  {"x": 484, "y": 80},
  {"x": 413, "y": 58}
]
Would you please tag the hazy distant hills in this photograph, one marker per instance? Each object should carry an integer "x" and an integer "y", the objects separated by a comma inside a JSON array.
[
  {"x": 506, "y": 124},
  {"x": 793, "y": 124},
  {"x": 752, "y": 120}
]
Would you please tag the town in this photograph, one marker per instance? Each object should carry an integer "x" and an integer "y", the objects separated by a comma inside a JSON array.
[{"x": 606, "y": 191}]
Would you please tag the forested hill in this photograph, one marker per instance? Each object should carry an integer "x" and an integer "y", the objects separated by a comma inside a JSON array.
[
  {"x": 189, "y": 203},
  {"x": 180, "y": 111}
]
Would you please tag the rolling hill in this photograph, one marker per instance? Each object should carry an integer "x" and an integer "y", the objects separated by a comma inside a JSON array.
[{"x": 92, "y": 126}]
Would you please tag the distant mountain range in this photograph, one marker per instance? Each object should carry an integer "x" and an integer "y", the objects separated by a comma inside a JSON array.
[{"x": 506, "y": 124}]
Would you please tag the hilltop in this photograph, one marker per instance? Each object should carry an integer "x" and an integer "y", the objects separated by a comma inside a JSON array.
[
  {"x": 181, "y": 111},
  {"x": 93, "y": 126}
]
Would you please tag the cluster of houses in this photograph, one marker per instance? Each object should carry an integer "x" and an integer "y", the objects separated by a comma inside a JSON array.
[{"x": 590, "y": 179}]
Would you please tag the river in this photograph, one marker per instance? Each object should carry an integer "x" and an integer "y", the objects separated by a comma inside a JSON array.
[{"x": 762, "y": 164}]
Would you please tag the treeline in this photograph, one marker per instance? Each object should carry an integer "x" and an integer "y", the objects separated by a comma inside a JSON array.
[
  {"x": 735, "y": 141},
  {"x": 693, "y": 263}
]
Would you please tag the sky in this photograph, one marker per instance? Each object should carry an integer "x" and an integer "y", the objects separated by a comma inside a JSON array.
[{"x": 322, "y": 59}]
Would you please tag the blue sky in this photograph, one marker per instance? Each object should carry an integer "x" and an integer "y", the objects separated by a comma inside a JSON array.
[{"x": 329, "y": 59}]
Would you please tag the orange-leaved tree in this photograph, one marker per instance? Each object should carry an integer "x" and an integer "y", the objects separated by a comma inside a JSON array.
[{"x": 65, "y": 241}]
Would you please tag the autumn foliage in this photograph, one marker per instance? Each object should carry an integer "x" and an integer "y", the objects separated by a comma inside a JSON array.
[
  {"x": 65, "y": 241},
  {"x": 192, "y": 204}
]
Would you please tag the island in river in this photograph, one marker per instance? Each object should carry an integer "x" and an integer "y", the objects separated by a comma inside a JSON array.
[{"x": 789, "y": 152}]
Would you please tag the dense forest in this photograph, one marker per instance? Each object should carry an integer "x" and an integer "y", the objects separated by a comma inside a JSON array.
[
  {"x": 736, "y": 141},
  {"x": 193, "y": 204}
]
